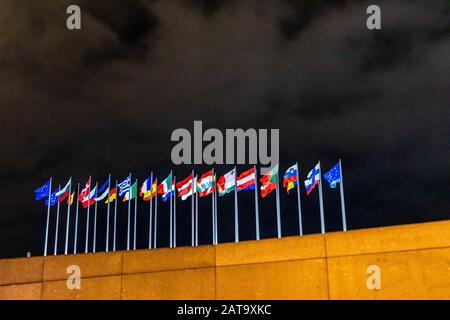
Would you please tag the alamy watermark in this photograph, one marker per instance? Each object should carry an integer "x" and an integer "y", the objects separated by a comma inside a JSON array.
[
  {"x": 235, "y": 147},
  {"x": 74, "y": 279}
]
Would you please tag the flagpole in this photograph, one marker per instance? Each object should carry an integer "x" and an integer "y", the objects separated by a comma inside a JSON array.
[
  {"x": 87, "y": 220},
  {"x": 344, "y": 217},
  {"x": 107, "y": 215},
  {"x": 192, "y": 211},
  {"x": 129, "y": 218},
  {"x": 256, "y": 205},
  {"x": 322, "y": 215},
  {"x": 156, "y": 215},
  {"x": 115, "y": 220},
  {"x": 236, "y": 213},
  {"x": 76, "y": 220},
  {"x": 196, "y": 217},
  {"x": 278, "y": 207},
  {"x": 170, "y": 211},
  {"x": 175, "y": 213},
  {"x": 57, "y": 225},
  {"x": 213, "y": 222},
  {"x": 300, "y": 222},
  {"x": 94, "y": 244},
  {"x": 215, "y": 209},
  {"x": 150, "y": 216},
  {"x": 135, "y": 216},
  {"x": 48, "y": 217},
  {"x": 68, "y": 217}
]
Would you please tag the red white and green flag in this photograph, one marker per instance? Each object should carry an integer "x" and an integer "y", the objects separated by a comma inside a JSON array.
[
  {"x": 226, "y": 183},
  {"x": 269, "y": 181}
]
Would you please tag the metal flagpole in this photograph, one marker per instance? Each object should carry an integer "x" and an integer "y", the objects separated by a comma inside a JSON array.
[
  {"x": 215, "y": 209},
  {"x": 94, "y": 244},
  {"x": 68, "y": 218},
  {"x": 344, "y": 218},
  {"x": 192, "y": 211},
  {"x": 196, "y": 218},
  {"x": 115, "y": 220},
  {"x": 87, "y": 219},
  {"x": 135, "y": 217},
  {"x": 236, "y": 213},
  {"x": 48, "y": 217},
  {"x": 107, "y": 216},
  {"x": 150, "y": 216},
  {"x": 278, "y": 207},
  {"x": 256, "y": 205},
  {"x": 175, "y": 213},
  {"x": 156, "y": 215},
  {"x": 213, "y": 220},
  {"x": 170, "y": 211},
  {"x": 129, "y": 209},
  {"x": 300, "y": 222},
  {"x": 76, "y": 220},
  {"x": 322, "y": 216},
  {"x": 57, "y": 225}
]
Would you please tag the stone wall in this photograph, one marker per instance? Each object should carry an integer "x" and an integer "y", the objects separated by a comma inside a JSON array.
[{"x": 414, "y": 261}]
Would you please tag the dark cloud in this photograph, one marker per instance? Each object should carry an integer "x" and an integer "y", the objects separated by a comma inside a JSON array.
[{"x": 105, "y": 100}]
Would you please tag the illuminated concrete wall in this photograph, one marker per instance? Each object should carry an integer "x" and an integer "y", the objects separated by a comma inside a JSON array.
[{"x": 414, "y": 262}]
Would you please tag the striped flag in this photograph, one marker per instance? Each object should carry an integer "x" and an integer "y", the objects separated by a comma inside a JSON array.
[
  {"x": 205, "y": 184},
  {"x": 184, "y": 187},
  {"x": 124, "y": 186}
]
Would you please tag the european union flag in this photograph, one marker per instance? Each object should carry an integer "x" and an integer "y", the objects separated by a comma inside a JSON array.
[
  {"x": 43, "y": 191},
  {"x": 53, "y": 198},
  {"x": 333, "y": 176}
]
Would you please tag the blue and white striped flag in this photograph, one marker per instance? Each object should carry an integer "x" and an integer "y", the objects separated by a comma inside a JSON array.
[{"x": 124, "y": 186}]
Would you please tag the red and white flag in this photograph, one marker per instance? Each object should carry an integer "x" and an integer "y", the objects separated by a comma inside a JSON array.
[
  {"x": 246, "y": 180},
  {"x": 85, "y": 191},
  {"x": 184, "y": 187},
  {"x": 205, "y": 184},
  {"x": 86, "y": 196}
]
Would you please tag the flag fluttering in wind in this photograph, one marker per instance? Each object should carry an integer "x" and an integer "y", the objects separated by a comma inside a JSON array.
[
  {"x": 184, "y": 187},
  {"x": 64, "y": 192},
  {"x": 53, "y": 198},
  {"x": 226, "y": 183},
  {"x": 71, "y": 198},
  {"x": 85, "y": 190},
  {"x": 205, "y": 184},
  {"x": 124, "y": 186},
  {"x": 132, "y": 193},
  {"x": 90, "y": 198},
  {"x": 313, "y": 179},
  {"x": 246, "y": 180},
  {"x": 147, "y": 191},
  {"x": 85, "y": 195},
  {"x": 103, "y": 191},
  {"x": 63, "y": 197},
  {"x": 290, "y": 178},
  {"x": 43, "y": 191},
  {"x": 269, "y": 181},
  {"x": 170, "y": 193},
  {"x": 166, "y": 188},
  {"x": 333, "y": 176},
  {"x": 112, "y": 195}
]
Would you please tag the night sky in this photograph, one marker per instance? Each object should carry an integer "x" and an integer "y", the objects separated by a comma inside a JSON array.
[{"x": 106, "y": 99}]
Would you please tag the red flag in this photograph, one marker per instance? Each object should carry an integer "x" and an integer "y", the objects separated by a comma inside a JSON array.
[
  {"x": 65, "y": 195},
  {"x": 184, "y": 186},
  {"x": 86, "y": 190}
]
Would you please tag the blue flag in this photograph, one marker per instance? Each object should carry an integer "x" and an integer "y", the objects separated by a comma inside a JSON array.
[
  {"x": 43, "y": 191},
  {"x": 53, "y": 198},
  {"x": 333, "y": 176}
]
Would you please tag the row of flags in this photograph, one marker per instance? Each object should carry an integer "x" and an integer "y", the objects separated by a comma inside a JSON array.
[{"x": 201, "y": 186}]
